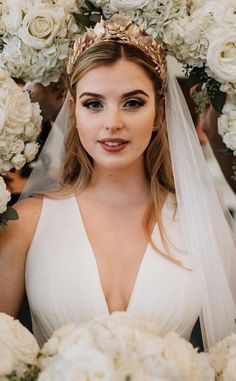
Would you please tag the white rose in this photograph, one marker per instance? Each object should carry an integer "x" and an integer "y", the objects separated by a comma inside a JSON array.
[
  {"x": 5, "y": 81},
  {"x": 17, "y": 146},
  {"x": 30, "y": 151},
  {"x": 221, "y": 56},
  {"x": 230, "y": 139},
  {"x": 225, "y": 12},
  {"x": 18, "y": 110},
  {"x": 128, "y": 4},
  {"x": 40, "y": 26},
  {"x": 18, "y": 341},
  {"x": 18, "y": 161},
  {"x": 5, "y": 358}
]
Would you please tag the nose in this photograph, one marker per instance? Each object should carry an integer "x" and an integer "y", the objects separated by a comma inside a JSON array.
[{"x": 113, "y": 121}]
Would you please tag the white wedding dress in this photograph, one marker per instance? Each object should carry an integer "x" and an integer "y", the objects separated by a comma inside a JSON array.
[{"x": 63, "y": 284}]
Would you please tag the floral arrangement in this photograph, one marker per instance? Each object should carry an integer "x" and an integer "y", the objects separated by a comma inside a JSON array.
[
  {"x": 35, "y": 37},
  {"x": 200, "y": 34},
  {"x": 20, "y": 124},
  {"x": 223, "y": 359},
  {"x": 5, "y": 196},
  {"x": 120, "y": 347},
  {"x": 18, "y": 351},
  {"x": 117, "y": 347},
  {"x": 204, "y": 41}
]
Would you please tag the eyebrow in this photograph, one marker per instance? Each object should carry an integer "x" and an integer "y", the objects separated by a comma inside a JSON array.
[{"x": 129, "y": 94}]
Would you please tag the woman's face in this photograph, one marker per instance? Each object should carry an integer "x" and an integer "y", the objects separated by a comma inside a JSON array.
[{"x": 115, "y": 114}]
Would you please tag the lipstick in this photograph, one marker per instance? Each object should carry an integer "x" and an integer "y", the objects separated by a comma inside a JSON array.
[{"x": 113, "y": 144}]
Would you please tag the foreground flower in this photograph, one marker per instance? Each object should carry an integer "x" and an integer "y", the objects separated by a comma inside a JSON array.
[
  {"x": 4, "y": 196},
  {"x": 120, "y": 347},
  {"x": 223, "y": 359},
  {"x": 18, "y": 347}
]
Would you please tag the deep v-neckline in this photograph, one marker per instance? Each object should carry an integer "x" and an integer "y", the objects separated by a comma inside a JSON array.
[{"x": 95, "y": 264}]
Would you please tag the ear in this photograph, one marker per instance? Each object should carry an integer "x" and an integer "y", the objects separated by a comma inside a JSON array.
[{"x": 71, "y": 105}]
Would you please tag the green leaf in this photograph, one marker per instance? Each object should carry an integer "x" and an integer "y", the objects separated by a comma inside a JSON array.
[
  {"x": 218, "y": 101},
  {"x": 11, "y": 213},
  {"x": 95, "y": 17},
  {"x": 225, "y": 151},
  {"x": 197, "y": 76},
  {"x": 1, "y": 45},
  {"x": 216, "y": 96},
  {"x": 89, "y": 6},
  {"x": 82, "y": 19}
]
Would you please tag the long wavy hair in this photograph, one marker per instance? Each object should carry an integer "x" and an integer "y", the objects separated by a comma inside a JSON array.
[{"x": 78, "y": 165}]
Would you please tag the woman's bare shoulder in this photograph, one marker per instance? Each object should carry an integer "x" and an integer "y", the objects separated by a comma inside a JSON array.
[
  {"x": 21, "y": 230},
  {"x": 30, "y": 207}
]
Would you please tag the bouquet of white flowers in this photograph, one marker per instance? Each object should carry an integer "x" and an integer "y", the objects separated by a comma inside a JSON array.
[
  {"x": 120, "y": 347},
  {"x": 18, "y": 351},
  {"x": 35, "y": 37},
  {"x": 20, "y": 124},
  {"x": 223, "y": 359},
  {"x": 4, "y": 198}
]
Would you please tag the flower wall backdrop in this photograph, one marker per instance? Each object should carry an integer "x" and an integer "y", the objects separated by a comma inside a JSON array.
[
  {"x": 35, "y": 37},
  {"x": 20, "y": 124}
]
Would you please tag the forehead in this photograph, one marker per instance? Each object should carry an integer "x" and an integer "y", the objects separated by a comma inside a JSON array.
[{"x": 123, "y": 76}]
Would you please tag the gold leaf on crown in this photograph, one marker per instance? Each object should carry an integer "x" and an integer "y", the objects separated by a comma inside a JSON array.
[{"x": 123, "y": 31}]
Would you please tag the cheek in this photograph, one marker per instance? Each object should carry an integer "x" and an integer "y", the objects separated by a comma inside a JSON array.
[{"x": 145, "y": 126}]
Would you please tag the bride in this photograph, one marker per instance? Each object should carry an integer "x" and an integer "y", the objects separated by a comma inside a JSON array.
[{"x": 135, "y": 224}]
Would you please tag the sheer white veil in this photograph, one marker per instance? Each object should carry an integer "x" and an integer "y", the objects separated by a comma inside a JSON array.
[{"x": 208, "y": 238}]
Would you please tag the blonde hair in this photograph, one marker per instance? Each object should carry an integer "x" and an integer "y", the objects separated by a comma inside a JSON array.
[{"x": 78, "y": 165}]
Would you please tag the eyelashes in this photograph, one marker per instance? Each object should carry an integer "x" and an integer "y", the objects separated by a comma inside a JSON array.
[
  {"x": 92, "y": 104},
  {"x": 130, "y": 104}
]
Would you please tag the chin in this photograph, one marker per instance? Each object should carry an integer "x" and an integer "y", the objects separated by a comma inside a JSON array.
[{"x": 118, "y": 164}]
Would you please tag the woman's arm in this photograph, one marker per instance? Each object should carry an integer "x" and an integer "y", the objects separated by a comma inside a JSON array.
[{"x": 14, "y": 244}]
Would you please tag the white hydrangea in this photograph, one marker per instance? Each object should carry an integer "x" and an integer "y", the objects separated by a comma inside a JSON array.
[
  {"x": 187, "y": 38},
  {"x": 20, "y": 124},
  {"x": 227, "y": 123},
  {"x": 37, "y": 38},
  {"x": 4, "y": 198},
  {"x": 120, "y": 347}
]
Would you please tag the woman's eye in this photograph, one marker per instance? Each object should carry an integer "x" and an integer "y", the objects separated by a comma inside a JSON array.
[
  {"x": 93, "y": 105},
  {"x": 133, "y": 103}
]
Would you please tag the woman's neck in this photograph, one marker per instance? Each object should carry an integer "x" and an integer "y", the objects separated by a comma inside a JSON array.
[{"x": 129, "y": 185}]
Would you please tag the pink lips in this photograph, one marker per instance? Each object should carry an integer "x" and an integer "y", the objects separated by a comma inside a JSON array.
[{"x": 113, "y": 144}]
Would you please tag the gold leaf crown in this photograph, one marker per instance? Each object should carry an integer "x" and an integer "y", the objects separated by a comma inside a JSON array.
[{"x": 125, "y": 32}]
